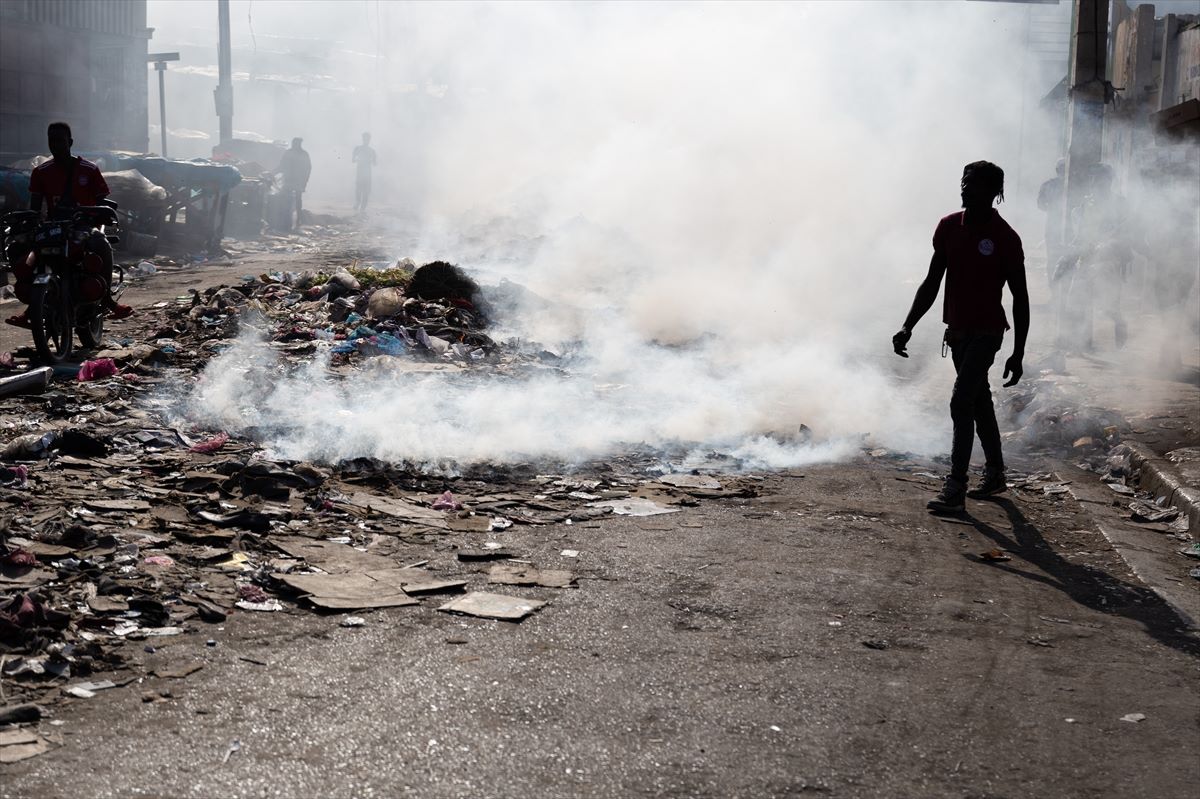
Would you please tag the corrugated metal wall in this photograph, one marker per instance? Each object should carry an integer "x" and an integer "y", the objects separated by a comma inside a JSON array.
[
  {"x": 103, "y": 16},
  {"x": 81, "y": 61}
]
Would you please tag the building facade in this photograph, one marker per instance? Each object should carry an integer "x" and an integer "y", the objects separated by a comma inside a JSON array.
[
  {"x": 1154, "y": 123},
  {"x": 79, "y": 61}
]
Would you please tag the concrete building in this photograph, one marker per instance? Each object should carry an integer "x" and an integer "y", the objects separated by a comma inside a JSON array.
[
  {"x": 81, "y": 61},
  {"x": 1154, "y": 123}
]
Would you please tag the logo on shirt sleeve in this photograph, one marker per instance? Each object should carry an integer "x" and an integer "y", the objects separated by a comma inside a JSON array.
[{"x": 986, "y": 247}]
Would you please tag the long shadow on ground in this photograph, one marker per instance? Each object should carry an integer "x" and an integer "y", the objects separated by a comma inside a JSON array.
[{"x": 1093, "y": 588}]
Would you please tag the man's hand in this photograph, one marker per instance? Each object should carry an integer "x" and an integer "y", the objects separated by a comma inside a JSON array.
[
  {"x": 1013, "y": 366},
  {"x": 900, "y": 342}
]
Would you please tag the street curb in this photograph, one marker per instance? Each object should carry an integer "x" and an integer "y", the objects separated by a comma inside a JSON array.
[
  {"x": 1147, "y": 576},
  {"x": 1161, "y": 479}
]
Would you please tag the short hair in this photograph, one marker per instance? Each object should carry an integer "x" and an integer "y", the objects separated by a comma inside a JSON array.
[
  {"x": 61, "y": 126},
  {"x": 986, "y": 175}
]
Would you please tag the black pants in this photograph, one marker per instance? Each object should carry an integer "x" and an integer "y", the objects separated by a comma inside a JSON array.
[{"x": 971, "y": 402}]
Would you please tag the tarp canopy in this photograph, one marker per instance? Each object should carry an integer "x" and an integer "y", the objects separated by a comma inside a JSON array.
[{"x": 199, "y": 172}]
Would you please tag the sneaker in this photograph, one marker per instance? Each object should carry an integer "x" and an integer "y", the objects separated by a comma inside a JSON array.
[
  {"x": 951, "y": 499},
  {"x": 993, "y": 483},
  {"x": 120, "y": 311}
]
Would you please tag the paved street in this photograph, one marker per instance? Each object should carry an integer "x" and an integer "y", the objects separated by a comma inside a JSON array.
[{"x": 828, "y": 638}]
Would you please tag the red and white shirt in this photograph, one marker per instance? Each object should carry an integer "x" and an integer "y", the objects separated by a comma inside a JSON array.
[
  {"x": 87, "y": 184},
  {"x": 980, "y": 259}
]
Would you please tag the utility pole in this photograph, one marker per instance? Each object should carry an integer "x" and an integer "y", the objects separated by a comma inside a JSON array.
[
  {"x": 1089, "y": 90},
  {"x": 224, "y": 91},
  {"x": 160, "y": 66}
]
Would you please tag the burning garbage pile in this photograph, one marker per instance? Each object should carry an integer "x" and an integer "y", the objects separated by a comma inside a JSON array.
[{"x": 124, "y": 530}]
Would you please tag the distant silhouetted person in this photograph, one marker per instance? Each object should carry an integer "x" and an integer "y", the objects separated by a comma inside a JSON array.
[
  {"x": 978, "y": 253},
  {"x": 1051, "y": 199},
  {"x": 296, "y": 167},
  {"x": 364, "y": 160},
  {"x": 1095, "y": 265}
]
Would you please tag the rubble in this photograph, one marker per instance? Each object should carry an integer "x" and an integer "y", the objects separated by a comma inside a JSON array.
[{"x": 121, "y": 526}]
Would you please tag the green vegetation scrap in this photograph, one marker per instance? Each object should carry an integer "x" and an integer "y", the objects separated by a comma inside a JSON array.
[{"x": 373, "y": 278}]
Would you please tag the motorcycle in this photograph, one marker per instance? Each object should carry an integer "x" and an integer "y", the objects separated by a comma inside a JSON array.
[{"x": 62, "y": 278}]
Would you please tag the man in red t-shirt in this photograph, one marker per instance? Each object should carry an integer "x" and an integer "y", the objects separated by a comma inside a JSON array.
[
  {"x": 978, "y": 253},
  {"x": 48, "y": 184}
]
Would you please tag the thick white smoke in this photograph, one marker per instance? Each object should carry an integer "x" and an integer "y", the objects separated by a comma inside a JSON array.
[{"x": 754, "y": 185}]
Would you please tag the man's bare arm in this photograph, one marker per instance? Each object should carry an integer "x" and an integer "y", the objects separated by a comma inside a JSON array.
[
  {"x": 1020, "y": 294},
  {"x": 926, "y": 295}
]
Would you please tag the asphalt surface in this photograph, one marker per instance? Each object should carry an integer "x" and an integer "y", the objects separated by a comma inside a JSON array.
[{"x": 829, "y": 638}]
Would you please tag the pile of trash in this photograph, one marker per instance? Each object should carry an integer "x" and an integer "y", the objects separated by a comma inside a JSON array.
[
  {"x": 1048, "y": 417},
  {"x": 117, "y": 526},
  {"x": 435, "y": 311},
  {"x": 1117, "y": 472}
]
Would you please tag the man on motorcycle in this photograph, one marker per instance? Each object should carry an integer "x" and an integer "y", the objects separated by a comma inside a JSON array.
[{"x": 48, "y": 184}]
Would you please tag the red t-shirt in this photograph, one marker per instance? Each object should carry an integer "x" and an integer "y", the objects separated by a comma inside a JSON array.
[
  {"x": 980, "y": 259},
  {"x": 88, "y": 186}
]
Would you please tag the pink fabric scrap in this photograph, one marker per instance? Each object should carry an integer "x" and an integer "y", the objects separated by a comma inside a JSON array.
[
  {"x": 211, "y": 444},
  {"x": 17, "y": 474},
  {"x": 446, "y": 502},
  {"x": 159, "y": 560},
  {"x": 21, "y": 558},
  {"x": 19, "y": 613},
  {"x": 97, "y": 369}
]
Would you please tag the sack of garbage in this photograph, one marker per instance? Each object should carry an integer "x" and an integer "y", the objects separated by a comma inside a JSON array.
[
  {"x": 32, "y": 446},
  {"x": 385, "y": 303},
  {"x": 131, "y": 189}
]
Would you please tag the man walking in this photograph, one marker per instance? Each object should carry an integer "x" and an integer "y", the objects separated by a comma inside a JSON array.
[
  {"x": 1052, "y": 196},
  {"x": 978, "y": 253},
  {"x": 296, "y": 167},
  {"x": 364, "y": 160}
]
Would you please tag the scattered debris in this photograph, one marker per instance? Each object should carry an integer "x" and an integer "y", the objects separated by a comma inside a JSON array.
[
  {"x": 20, "y": 714},
  {"x": 493, "y": 606},
  {"x": 634, "y": 506},
  {"x": 86, "y": 690},
  {"x": 691, "y": 481},
  {"x": 1145, "y": 512},
  {"x": 97, "y": 369},
  {"x": 21, "y": 744},
  {"x": 514, "y": 574},
  {"x": 353, "y": 591},
  {"x": 34, "y": 381},
  {"x": 1134, "y": 718},
  {"x": 179, "y": 672}
]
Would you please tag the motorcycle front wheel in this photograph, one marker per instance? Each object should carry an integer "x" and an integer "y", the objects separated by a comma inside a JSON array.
[{"x": 49, "y": 315}]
